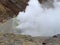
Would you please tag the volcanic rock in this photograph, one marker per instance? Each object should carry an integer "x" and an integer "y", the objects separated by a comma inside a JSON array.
[{"x": 11, "y": 8}]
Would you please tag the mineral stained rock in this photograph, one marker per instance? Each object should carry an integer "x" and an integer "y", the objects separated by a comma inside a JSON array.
[
  {"x": 10, "y": 8},
  {"x": 15, "y": 39}
]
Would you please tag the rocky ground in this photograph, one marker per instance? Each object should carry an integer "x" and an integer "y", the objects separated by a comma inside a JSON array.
[{"x": 17, "y": 39}]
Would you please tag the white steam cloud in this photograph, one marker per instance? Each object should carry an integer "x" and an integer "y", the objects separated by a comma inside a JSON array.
[{"x": 37, "y": 21}]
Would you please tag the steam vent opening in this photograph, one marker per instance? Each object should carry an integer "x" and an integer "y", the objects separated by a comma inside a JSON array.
[
  {"x": 29, "y": 22},
  {"x": 43, "y": 43}
]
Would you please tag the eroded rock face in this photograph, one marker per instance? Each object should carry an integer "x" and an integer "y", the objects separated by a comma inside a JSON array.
[{"x": 10, "y": 8}]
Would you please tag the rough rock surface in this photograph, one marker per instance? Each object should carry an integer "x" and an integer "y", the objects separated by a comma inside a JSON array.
[
  {"x": 10, "y": 8},
  {"x": 18, "y": 39},
  {"x": 15, "y": 39},
  {"x": 55, "y": 40}
]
